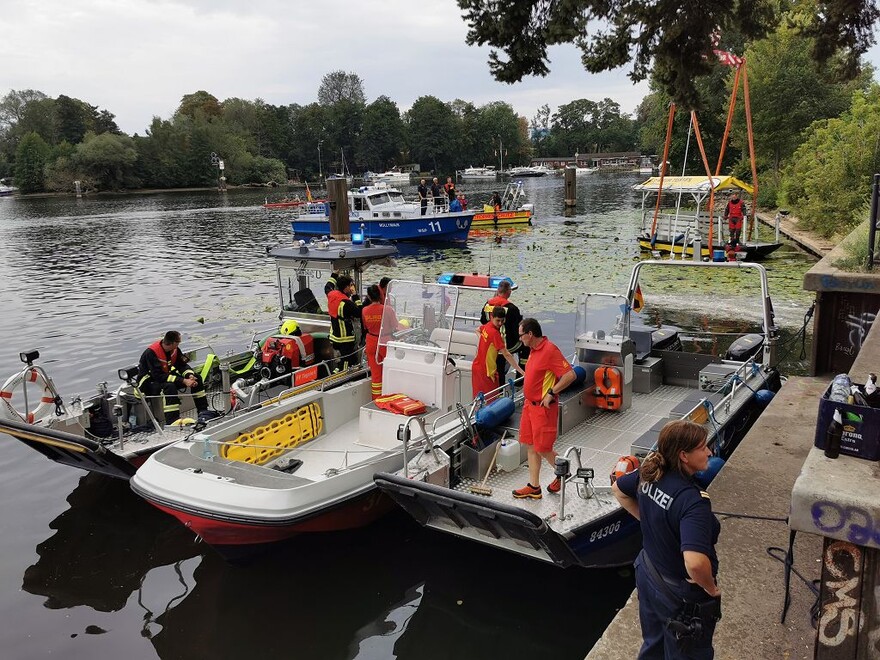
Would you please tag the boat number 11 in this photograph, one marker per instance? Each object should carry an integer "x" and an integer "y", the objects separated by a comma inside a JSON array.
[
  {"x": 605, "y": 531},
  {"x": 434, "y": 225}
]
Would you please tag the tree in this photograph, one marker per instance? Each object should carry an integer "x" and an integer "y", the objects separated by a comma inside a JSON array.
[
  {"x": 381, "y": 137},
  {"x": 199, "y": 102},
  {"x": 497, "y": 126},
  {"x": 676, "y": 39},
  {"x": 12, "y": 106},
  {"x": 789, "y": 93},
  {"x": 72, "y": 117},
  {"x": 107, "y": 158},
  {"x": 30, "y": 159},
  {"x": 829, "y": 177},
  {"x": 341, "y": 86},
  {"x": 431, "y": 124}
]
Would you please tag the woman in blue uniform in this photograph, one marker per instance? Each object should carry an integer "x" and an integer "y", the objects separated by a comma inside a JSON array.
[{"x": 675, "y": 572}]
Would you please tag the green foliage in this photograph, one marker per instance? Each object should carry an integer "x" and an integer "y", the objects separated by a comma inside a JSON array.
[
  {"x": 431, "y": 126},
  {"x": 107, "y": 158},
  {"x": 30, "y": 159},
  {"x": 829, "y": 176},
  {"x": 381, "y": 137},
  {"x": 668, "y": 40},
  {"x": 199, "y": 103},
  {"x": 339, "y": 86},
  {"x": 855, "y": 248},
  {"x": 587, "y": 126},
  {"x": 789, "y": 92}
]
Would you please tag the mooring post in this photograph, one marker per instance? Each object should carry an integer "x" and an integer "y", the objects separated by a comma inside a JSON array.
[
  {"x": 571, "y": 186},
  {"x": 337, "y": 193}
]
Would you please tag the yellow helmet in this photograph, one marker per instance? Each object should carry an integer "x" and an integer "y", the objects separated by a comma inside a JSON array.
[
  {"x": 405, "y": 323},
  {"x": 289, "y": 327}
]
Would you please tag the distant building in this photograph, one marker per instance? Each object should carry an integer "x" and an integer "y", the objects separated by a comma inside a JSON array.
[{"x": 624, "y": 160}]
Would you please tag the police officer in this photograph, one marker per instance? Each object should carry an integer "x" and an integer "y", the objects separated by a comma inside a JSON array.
[
  {"x": 163, "y": 369},
  {"x": 676, "y": 569}
]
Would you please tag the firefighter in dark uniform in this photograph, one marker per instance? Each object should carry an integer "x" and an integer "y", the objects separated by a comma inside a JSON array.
[
  {"x": 510, "y": 329},
  {"x": 330, "y": 284},
  {"x": 343, "y": 312},
  {"x": 679, "y": 598},
  {"x": 163, "y": 369}
]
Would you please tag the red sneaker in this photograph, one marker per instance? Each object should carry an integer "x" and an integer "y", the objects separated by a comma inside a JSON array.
[
  {"x": 555, "y": 485},
  {"x": 528, "y": 491}
]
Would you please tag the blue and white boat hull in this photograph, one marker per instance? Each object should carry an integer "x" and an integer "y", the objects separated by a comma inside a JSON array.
[{"x": 441, "y": 226}]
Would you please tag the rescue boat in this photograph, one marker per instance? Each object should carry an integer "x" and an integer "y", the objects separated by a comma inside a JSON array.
[
  {"x": 511, "y": 212},
  {"x": 114, "y": 431},
  {"x": 306, "y": 464},
  {"x": 635, "y": 379}
]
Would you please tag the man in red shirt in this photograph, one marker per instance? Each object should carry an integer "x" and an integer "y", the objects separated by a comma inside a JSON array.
[
  {"x": 547, "y": 374},
  {"x": 484, "y": 370},
  {"x": 734, "y": 213}
]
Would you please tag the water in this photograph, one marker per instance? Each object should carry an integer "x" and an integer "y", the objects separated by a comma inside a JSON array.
[{"x": 89, "y": 570}]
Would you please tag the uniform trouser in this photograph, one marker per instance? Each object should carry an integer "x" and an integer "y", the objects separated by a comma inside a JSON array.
[
  {"x": 348, "y": 351},
  {"x": 171, "y": 399},
  {"x": 424, "y": 206},
  {"x": 375, "y": 365},
  {"x": 735, "y": 233},
  {"x": 655, "y": 609}
]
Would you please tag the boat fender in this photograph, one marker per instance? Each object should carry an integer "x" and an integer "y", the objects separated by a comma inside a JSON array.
[
  {"x": 47, "y": 400},
  {"x": 764, "y": 397},
  {"x": 625, "y": 465},
  {"x": 608, "y": 388},
  {"x": 705, "y": 477},
  {"x": 580, "y": 375},
  {"x": 496, "y": 413}
]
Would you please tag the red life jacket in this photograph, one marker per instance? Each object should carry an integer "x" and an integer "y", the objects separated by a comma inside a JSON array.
[
  {"x": 335, "y": 299},
  {"x": 735, "y": 214},
  {"x": 167, "y": 361}
]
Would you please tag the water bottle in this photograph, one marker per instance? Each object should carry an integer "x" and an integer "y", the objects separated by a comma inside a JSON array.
[
  {"x": 840, "y": 388},
  {"x": 833, "y": 436},
  {"x": 132, "y": 420}
]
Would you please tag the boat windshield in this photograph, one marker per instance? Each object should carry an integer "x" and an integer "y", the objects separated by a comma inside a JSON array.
[
  {"x": 602, "y": 315},
  {"x": 380, "y": 199},
  {"x": 413, "y": 311}
]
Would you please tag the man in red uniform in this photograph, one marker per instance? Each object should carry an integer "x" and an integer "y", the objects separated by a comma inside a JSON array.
[
  {"x": 484, "y": 369},
  {"x": 163, "y": 369},
  {"x": 547, "y": 374},
  {"x": 734, "y": 213},
  {"x": 510, "y": 329}
]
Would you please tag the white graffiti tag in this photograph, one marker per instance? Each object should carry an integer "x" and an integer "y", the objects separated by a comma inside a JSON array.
[{"x": 840, "y": 617}]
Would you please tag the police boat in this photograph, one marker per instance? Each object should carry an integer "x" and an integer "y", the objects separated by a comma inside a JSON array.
[
  {"x": 113, "y": 431},
  {"x": 632, "y": 379}
]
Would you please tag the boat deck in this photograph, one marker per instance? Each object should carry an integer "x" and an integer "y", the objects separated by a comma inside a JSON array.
[{"x": 603, "y": 438}]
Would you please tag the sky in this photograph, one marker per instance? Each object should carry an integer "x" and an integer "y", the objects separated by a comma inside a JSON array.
[{"x": 137, "y": 59}]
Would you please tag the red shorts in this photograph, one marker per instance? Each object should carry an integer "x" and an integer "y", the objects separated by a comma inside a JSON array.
[
  {"x": 538, "y": 425},
  {"x": 484, "y": 384}
]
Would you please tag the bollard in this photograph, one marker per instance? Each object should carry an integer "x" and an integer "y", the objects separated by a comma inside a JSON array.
[
  {"x": 570, "y": 186},
  {"x": 337, "y": 193}
]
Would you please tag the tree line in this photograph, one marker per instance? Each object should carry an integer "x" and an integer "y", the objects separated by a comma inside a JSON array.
[{"x": 48, "y": 143}]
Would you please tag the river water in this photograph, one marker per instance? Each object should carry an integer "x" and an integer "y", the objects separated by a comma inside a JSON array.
[{"x": 89, "y": 570}]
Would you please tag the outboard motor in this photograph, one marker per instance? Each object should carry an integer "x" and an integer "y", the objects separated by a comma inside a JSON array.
[{"x": 745, "y": 348}]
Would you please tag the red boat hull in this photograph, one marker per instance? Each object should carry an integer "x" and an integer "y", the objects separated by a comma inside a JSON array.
[{"x": 355, "y": 513}]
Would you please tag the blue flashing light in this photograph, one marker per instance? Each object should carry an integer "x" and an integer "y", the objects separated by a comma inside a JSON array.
[
  {"x": 495, "y": 280},
  {"x": 357, "y": 238},
  {"x": 445, "y": 278}
]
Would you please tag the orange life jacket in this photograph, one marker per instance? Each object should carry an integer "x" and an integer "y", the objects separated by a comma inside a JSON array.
[{"x": 609, "y": 388}]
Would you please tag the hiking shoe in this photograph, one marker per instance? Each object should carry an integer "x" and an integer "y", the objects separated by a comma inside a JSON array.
[
  {"x": 555, "y": 485},
  {"x": 528, "y": 491}
]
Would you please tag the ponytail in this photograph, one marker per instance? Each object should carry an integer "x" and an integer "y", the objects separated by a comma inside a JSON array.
[{"x": 675, "y": 437}]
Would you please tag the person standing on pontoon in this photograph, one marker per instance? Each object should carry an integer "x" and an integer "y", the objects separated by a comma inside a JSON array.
[
  {"x": 490, "y": 349},
  {"x": 547, "y": 374},
  {"x": 163, "y": 370},
  {"x": 734, "y": 213}
]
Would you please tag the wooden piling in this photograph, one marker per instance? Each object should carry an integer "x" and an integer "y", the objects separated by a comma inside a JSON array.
[
  {"x": 337, "y": 193},
  {"x": 570, "y": 186}
]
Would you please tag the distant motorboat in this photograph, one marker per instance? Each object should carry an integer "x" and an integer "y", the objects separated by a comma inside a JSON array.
[
  {"x": 584, "y": 170},
  {"x": 6, "y": 191},
  {"x": 382, "y": 212},
  {"x": 531, "y": 171},
  {"x": 474, "y": 173},
  {"x": 392, "y": 176}
]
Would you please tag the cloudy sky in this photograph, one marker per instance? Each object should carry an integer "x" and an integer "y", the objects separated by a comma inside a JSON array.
[{"x": 137, "y": 59}]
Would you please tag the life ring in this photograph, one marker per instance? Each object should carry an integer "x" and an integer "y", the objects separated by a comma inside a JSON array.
[{"x": 47, "y": 400}]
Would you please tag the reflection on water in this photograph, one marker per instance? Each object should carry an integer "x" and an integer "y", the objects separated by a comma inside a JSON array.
[{"x": 91, "y": 282}]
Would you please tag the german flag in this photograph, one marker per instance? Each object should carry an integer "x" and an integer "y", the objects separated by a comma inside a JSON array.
[{"x": 638, "y": 300}]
